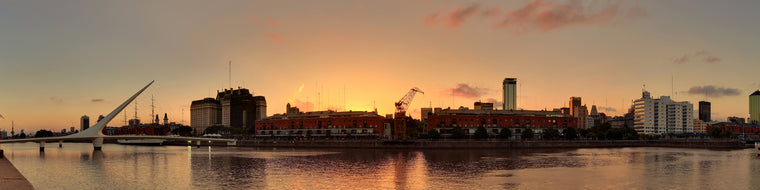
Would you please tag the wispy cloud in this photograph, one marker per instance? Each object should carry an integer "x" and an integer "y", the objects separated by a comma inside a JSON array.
[
  {"x": 543, "y": 16},
  {"x": 699, "y": 56},
  {"x": 606, "y": 109},
  {"x": 496, "y": 103},
  {"x": 713, "y": 91},
  {"x": 56, "y": 100},
  {"x": 454, "y": 17},
  {"x": 97, "y": 100},
  {"x": 275, "y": 37},
  {"x": 275, "y": 23},
  {"x": 466, "y": 91}
]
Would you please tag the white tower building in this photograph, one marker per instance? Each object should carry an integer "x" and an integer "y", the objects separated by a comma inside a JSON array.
[{"x": 662, "y": 116}]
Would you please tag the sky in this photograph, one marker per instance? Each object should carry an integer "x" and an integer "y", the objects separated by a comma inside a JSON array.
[{"x": 60, "y": 60}]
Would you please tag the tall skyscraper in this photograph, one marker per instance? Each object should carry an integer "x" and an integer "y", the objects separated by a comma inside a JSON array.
[
  {"x": 510, "y": 93},
  {"x": 84, "y": 123},
  {"x": 662, "y": 116},
  {"x": 754, "y": 107},
  {"x": 704, "y": 111}
]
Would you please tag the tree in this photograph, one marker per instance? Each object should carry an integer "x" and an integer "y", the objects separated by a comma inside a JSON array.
[
  {"x": 570, "y": 133},
  {"x": 715, "y": 132},
  {"x": 551, "y": 133},
  {"x": 43, "y": 133},
  {"x": 215, "y": 129},
  {"x": 457, "y": 133},
  {"x": 505, "y": 133},
  {"x": 434, "y": 134},
  {"x": 584, "y": 133},
  {"x": 726, "y": 134},
  {"x": 22, "y": 136},
  {"x": 481, "y": 133},
  {"x": 527, "y": 134},
  {"x": 183, "y": 131}
]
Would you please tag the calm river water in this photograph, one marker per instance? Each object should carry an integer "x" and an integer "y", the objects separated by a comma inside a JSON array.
[{"x": 77, "y": 166}]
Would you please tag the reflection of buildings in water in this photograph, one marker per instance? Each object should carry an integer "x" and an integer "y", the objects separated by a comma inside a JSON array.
[{"x": 245, "y": 173}]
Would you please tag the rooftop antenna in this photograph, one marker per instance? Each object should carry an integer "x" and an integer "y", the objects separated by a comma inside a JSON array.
[
  {"x": 344, "y": 97},
  {"x": 671, "y": 85},
  {"x": 230, "y": 73},
  {"x": 183, "y": 116}
]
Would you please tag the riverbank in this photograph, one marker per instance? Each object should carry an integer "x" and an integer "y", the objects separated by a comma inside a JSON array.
[
  {"x": 486, "y": 144},
  {"x": 10, "y": 177}
]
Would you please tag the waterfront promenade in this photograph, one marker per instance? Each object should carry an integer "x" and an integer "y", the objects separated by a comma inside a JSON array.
[{"x": 10, "y": 177}]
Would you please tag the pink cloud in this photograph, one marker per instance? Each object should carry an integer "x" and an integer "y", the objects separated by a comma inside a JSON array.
[
  {"x": 454, "y": 18},
  {"x": 457, "y": 16},
  {"x": 275, "y": 37},
  {"x": 272, "y": 21},
  {"x": 433, "y": 19},
  {"x": 542, "y": 16}
]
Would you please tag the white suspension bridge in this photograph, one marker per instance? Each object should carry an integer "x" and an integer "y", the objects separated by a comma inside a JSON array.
[{"x": 95, "y": 132}]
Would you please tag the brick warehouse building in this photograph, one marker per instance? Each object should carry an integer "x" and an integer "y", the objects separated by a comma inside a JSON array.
[
  {"x": 321, "y": 124},
  {"x": 444, "y": 120}
]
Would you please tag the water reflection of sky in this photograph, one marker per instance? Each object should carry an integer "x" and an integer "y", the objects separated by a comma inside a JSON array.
[{"x": 76, "y": 166}]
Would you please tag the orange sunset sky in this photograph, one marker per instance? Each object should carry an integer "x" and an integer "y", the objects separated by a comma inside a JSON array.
[{"x": 60, "y": 60}]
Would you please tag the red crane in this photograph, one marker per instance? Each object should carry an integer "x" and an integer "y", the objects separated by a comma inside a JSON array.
[
  {"x": 400, "y": 118},
  {"x": 403, "y": 104}
]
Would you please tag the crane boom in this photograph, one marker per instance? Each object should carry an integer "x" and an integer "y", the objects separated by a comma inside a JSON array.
[{"x": 403, "y": 104}]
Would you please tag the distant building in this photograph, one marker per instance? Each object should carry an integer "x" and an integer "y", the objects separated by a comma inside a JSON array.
[
  {"x": 736, "y": 120},
  {"x": 704, "y": 111},
  {"x": 72, "y": 130},
  {"x": 100, "y": 118},
  {"x": 232, "y": 108},
  {"x": 205, "y": 113},
  {"x": 743, "y": 130},
  {"x": 483, "y": 106},
  {"x": 510, "y": 93},
  {"x": 4, "y": 134},
  {"x": 166, "y": 119},
  {"x": 579, "y": 111},
  {"x": 240, "y": 108},
  {"x": 754, "y": 107},
  {"x": 134, "y": 122},
  {"x": 84, "y": 123},
  {"x": 700, "y": 126},
  {"x": 662, "y": 116}
]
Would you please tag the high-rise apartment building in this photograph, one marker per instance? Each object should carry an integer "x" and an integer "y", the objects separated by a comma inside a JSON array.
[
  {"x": 84, "y": 123},
  {"x": 754, "y": 107},
  {"x": 510, "y": 93},
  {"x": 704, "y": 111},
  {"x": 662, "y": 116}
]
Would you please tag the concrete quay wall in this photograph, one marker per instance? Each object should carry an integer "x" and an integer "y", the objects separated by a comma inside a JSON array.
[{"x": 10, "y": 177}]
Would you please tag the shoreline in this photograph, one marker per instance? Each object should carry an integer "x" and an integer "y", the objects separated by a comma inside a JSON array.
[
  {"x": 10, "y": 177},
  {"x": 485, "y": 144}
]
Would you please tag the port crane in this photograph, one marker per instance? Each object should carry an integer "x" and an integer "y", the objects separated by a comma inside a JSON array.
[{"x": 400, "y": 118}]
